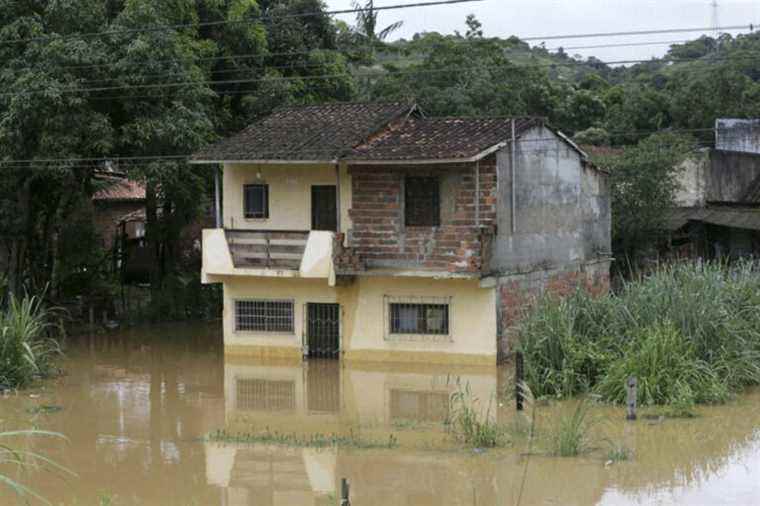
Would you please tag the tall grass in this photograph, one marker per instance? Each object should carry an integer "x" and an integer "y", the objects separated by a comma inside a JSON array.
[
  {"x": 690, "y": 332},
  {"x": 473, "y": 424},
  {"x": 26, "y": 350},
  {"x": 569, "y": 436}
]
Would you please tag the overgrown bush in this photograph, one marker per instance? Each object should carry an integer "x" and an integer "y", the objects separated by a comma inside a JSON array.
[
  {"x": 26, "y": 350},
  {"x": 690, "y": 332}
]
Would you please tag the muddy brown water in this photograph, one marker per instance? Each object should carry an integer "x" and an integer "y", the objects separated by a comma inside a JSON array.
[{"x": 135, "y": 405}]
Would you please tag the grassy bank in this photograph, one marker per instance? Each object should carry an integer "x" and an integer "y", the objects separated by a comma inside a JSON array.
[
  {"x": 26, "y": 350},
  {"x": 689, "y": 332}
]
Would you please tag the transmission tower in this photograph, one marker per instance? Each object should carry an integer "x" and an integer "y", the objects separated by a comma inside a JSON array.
[{"x": 714, "y": 21}]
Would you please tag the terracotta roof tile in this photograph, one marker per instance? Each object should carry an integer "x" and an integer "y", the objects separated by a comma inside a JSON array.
[
  {"x": 320, "y": 132},
  {"x": 120, "y": 189},
  {"x": 440, "y": 138}
]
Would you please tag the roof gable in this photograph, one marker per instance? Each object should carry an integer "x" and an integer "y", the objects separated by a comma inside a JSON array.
[{"x": 308, "y": 133}]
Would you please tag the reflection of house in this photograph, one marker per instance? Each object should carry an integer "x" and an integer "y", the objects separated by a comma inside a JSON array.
[
  {"x": 375, "y": 232},
  {"x": 719, "y": 199},
  {"x": 294, "y": 395}
]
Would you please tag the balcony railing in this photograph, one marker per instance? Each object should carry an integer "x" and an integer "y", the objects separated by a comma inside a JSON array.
[{"x": 267, "y": 249}]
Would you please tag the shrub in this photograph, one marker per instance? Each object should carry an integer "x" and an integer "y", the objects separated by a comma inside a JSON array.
[{"x": 26, "y": 351}]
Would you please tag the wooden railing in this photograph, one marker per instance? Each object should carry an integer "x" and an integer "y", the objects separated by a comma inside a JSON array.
[{"x": 267, "y": 249}]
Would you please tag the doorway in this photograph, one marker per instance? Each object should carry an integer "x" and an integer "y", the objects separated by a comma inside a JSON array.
[
  {"x": 323, "y": 330},
  {"x": 324, "y": 208}
]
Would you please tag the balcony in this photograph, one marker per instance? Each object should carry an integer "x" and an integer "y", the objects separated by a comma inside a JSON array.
[{"x": 267, "y": 253}]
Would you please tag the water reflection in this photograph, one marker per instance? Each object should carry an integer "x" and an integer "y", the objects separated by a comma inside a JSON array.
[{"x": 135, "y": 405}]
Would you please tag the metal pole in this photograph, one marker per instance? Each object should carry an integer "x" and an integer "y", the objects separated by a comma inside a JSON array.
[
  {"x": 519, "y": 378},
  {"x": 477, "y": 194},
  {"x": 337, "y": 198},
  {"x": 344, "y": 493},
  {"x": 217, "y": 199},
  {"x": 514, "y": 176}
]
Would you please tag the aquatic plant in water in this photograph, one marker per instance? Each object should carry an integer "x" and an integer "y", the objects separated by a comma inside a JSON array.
[
  {"x": 317, "y": 440},
  {"x": 473, "y": 425}
]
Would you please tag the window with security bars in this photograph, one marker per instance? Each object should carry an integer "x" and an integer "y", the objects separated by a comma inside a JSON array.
[
  {"x": 419, "y": 319},
  {"x": 422, "y": 202},
  {"x": 256, "y": 201},
  {"x": 265, "y": 395},
  {"x": 419, "y": 406},
  {"x": 264, "y": 315}
]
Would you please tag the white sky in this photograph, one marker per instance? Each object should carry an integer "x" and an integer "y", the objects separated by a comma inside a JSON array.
[{"x": 527, "y": 18}]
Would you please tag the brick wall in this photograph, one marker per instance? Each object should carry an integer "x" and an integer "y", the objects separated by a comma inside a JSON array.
[
  {"x": 516, "y": 294},
  {"x": 381, "y": 239}
]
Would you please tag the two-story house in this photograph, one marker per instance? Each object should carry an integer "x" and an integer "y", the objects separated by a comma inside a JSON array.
[{"x": 374, "y": 233}]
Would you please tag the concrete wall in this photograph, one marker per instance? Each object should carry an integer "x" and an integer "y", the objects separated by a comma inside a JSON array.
[
  {"x": 692, "y": 180},
  {"x": 731, "y": 175},
  {"x": 562, "y": 208},
  {"x": 472, "y": 318},
  {"x": 289, "y": 193},
  {"x": 741, "y": 135}
]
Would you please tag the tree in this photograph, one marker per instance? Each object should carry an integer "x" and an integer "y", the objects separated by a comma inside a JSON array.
[
  {"x": 643, "y": 183},
  {"x": 366, "y": 27}
]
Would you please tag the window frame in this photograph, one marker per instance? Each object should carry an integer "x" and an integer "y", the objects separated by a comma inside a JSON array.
[
  {"x": 412, "y": 183},
  {"x": 268, "y": 326},
  {"x": 264, "y": 215},
  {"x": 393, "y": 333}
]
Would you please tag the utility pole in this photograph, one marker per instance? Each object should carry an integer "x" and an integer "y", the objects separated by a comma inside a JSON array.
[{"x": 715, "y": 20}]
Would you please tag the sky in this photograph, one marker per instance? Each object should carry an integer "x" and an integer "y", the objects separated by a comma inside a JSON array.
[{"x": 530, "y": 18}]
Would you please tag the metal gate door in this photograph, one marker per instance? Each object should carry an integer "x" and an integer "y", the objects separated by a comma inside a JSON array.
[{"x": 323, "y": 325}]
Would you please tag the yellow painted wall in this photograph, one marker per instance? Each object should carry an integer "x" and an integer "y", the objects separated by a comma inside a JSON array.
[
  {"x": 472, "y": 317},
  {"x": 289, "y": 193}
]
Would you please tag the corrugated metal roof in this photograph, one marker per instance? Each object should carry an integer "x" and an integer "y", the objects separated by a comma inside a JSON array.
[{"x": 735, "y": 217}]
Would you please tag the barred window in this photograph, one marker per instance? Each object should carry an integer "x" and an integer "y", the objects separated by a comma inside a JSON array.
[
  {"x": 256, "y": 201},
  {"x": 264, "y": 315},
  {"x": 419, "y": 319},
  {"x": 422, "y": 205}
]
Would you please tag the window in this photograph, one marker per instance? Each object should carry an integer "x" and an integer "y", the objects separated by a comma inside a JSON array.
[
  {"x": 422, "y": 206},
  {"x": 265, "y": 395},
  {"x": 419, "y": 319},
  {"x": 264, "y": 315},
  {"x": 256, "y": 201}
]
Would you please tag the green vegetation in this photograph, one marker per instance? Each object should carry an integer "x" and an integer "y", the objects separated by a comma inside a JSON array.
[
  {"x": 305, "y": 441},
  {"x": 569, "y": 436},
  {"x": 473, "y": 425},
  {"x": 26, "y": 350},
  {"x": 25, "y": 459},
  {"x": 618, "y": 452},
  {"x": 689, "y": 332}
]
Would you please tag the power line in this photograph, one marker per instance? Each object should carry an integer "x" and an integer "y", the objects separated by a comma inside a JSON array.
[
  {"x": 140, "y": 160},
  {"x": 253, "y": 20},
  {"x": 749, "y": 27},
  {"x": 359, "y": 75}
]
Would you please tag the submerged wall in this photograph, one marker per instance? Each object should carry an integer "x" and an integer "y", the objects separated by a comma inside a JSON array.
[{"x": 364, "y": 315}]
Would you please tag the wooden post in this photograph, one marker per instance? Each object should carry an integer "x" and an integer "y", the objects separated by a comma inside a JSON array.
[
  {"x": 217, "y": 200},
  {"x": 344, "y": 493},
  {"x": 631, "y": 387},
  {"x": 519, "y": 378}
]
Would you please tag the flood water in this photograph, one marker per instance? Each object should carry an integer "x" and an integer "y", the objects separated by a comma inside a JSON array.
[{"x": 135, "y": 406}]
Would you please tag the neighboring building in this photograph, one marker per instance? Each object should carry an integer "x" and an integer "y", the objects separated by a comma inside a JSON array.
[
  {"x": 718, "y": 214},
  {"x": 371, "y": 231},
  {"x": 119, "y": 207}
]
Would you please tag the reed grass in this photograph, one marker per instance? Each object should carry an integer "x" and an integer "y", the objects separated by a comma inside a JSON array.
[
  {"x": 317, "y": 440},
  {"x": 569, "y": 436},
  {"x": 690, "y": 332},
  {"x": 473, "y": 424},
  {"x": 27, "y": 351}
]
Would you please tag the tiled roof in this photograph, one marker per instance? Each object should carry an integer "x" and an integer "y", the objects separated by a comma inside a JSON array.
[
  {"x": 119, "y": 189},
  {"x": 319, "y": 133},
  {"x": 439, "y": 138}
]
